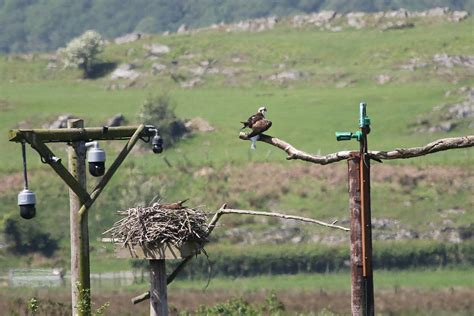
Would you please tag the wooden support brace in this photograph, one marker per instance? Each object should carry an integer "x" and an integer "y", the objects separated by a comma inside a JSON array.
[
  {"x": 113, "y": 168},
  {"x": 47, "y": 155}
]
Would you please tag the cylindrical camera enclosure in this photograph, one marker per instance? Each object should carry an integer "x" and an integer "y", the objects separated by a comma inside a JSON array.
[
  {"x": 95, "y": 154},
  {"x": 27, "y": 201}
]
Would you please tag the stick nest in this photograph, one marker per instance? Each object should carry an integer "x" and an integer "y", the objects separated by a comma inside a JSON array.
[{"x": 154, "y": 225}]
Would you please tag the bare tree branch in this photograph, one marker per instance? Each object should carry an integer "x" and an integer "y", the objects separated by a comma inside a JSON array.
[
  {"x": 398, "y": 153},
  {"x": 223, "y": 211}
]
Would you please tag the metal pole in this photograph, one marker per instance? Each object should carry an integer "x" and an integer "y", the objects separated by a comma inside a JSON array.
[
  {"x": 80, "y": 266},
  {"x": 158, "y": 288},
  {"x": 366, "y": 223},
  {"x": 353, "y": 164}
]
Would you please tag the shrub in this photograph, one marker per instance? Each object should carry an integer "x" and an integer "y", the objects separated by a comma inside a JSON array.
[
  {"x": 26, "y": 237},
  {"x": 160, "y": 111},
  {"x": 82, "y": 51}
]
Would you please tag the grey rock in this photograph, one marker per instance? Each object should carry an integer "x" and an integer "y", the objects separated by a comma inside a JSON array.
[
  {"x": 128, "y": 38},
  {"x": 51, "y": 66},
  {"x": 60, "y": 122},
  {"x": 398, "y": 14},
  {"x": 396, "y": 25},
  {"x": 125, "y": 71},
  {"x": 157, "y": 68},
  {"x": 451, "y": 61},
  {"x": 191, "y": 83},
  {"x": 182, "y": 29},
  {"x": 290, "y": 75},
  {"x": 197, "y": 71},
  {"x": 458, "y": 16},
  {"x": 356, "y": 19},
  {"x": 199, "y": 124},
  {"x": 158, "y": 49},
  {"x": 414, "y": 64},
  {"x": 437, "y": 12},
  {"x": 116, "y": 120},
  {"x": 383, "y": 79}
]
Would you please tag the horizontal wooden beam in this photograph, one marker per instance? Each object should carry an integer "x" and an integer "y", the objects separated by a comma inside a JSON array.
[{"x": 78, "y": 134}]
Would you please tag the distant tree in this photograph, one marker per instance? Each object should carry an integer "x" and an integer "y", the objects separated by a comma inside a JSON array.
[
  {"x": 160, "y": 111},
  {"x": 82, "y": 51},
  {"x": 26, "y": 237}
]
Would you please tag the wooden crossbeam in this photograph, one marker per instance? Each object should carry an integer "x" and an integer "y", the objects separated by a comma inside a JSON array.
[{"x": 78, "y": 134}]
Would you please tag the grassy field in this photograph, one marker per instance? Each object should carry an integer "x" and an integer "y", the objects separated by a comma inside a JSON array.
[
  {"x": 383, "y": 280},
  {"x": 414, "y": 292}
]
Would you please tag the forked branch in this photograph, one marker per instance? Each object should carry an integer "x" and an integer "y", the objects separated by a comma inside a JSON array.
[{"x": 398, "y": 153}]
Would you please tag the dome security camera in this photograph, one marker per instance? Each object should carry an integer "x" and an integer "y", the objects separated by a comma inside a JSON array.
[
  {"x": 96, "y": 159},
  {"x": 157, "y": 144},
  {"x": 26, "y": 202}
]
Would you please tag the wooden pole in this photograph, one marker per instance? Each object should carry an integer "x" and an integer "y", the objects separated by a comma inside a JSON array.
[
  {"x": 158, "y": 288},
  {"x": 80, "y": 271},
  {"x": 353, "y": 164}
]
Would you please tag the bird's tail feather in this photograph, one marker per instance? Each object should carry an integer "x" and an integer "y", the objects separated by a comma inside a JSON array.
[{"x": 253, "y": 140}]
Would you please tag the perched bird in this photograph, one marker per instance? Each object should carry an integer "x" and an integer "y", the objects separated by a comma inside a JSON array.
[
  {"x": 172, "y": 206},
  {"x": 258, "y": 124}
]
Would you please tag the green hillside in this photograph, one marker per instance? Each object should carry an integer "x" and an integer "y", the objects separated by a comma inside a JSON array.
[
  {"x": 311, "y": 81},
  {"x": 32, "y": 25}
]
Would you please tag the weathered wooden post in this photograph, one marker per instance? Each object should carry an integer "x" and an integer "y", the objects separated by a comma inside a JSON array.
[
  {"x": 157, "y": 254},
  {"x": 353, "y": 164},
  {"x": 80, "y": 263},
  {"x": 362, "y": 286},
  {"x": 158, "y": 288},
  {"x": 75, "y": 178}
]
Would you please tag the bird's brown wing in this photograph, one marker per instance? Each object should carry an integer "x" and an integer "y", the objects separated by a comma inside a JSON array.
[
  {"x": 174, "y": 206},
  {"x": 259, "y": 127},
  {"x": 252, "y": 120}
]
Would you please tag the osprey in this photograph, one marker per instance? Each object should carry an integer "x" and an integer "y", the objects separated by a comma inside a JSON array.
[
  {"x": 258, "y": 124},
  {"x": 173, "y": 206}
]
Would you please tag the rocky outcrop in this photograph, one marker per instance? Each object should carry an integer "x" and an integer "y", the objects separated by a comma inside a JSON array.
[
  {"x": 198, "y": 124},
  {"x": 116, "y": 120},
  {"x": 128, "y": 38},
  {"x": 60, "y": 122},
  {"x": 125, "y": 71},
  {"x": 447, "y": 117},
  {"x": 333, "y": 21},
  {"x": 157, "y": 49}
]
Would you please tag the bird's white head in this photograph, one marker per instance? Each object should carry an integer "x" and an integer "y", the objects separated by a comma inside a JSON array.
[{"x": 262, "y": 110}]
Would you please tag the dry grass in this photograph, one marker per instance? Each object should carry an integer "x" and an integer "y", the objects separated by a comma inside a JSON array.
[{"x": 397, "y": 301}]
